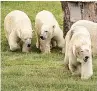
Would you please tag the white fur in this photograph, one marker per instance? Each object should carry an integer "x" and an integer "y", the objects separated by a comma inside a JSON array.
[
  {"x": 92, "y": 28},
  {"x": 77, "y": 47},
  {"x": 45, "y": 20},
  {"x": 18, "y": 27}
]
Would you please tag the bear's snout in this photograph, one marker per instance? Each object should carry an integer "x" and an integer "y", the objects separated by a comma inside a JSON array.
[
  {"x": 42, "y": 37},
  {"x": 29, "y": 45},
  {"x": 86, "y": 58}
]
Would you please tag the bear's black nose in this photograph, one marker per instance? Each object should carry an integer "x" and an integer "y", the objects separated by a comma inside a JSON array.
[
  {"x": 41, "y": 37},
  {"x": 86, "y": 57},
  {"x": 28, "y": 45}
]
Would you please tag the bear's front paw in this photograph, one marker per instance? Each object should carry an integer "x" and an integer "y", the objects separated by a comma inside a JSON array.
[
  {"x": 14, "y": 48},
  {"x": 86, "y": 76}
]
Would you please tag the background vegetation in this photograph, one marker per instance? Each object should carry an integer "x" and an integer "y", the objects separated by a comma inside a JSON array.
[{"x": 36, "y": 71}]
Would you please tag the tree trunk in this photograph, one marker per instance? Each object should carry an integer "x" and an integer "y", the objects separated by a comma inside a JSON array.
[{"x": 74, "y": 11}]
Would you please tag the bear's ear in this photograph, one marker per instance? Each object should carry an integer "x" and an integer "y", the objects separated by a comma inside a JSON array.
[{"x": 75, "y": 50}]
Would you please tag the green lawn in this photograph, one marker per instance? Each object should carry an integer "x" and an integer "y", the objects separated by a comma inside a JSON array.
[{"x": 36, "y": 71}]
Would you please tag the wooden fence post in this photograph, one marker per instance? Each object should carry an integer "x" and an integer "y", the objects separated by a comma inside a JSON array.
[{"x": 74, "y": 11}]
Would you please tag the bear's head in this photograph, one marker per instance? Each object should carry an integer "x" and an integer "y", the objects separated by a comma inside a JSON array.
[
  {"x": 82, "y": 53},
  {"x": 26, "y": 37},
  {"x": 47, "y": 32}
]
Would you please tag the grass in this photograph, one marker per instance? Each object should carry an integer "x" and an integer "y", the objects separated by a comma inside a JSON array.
[{"x": 36, "y": 71}]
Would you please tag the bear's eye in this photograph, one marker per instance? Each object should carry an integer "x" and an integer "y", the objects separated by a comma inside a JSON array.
[
  {"x": 81, "y": 51},
  {"x": 46, "y": 31}
]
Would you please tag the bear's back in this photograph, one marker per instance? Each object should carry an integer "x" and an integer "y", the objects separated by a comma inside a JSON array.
[
  {"x": 46, "y": 17},
  {"x": 16, "y": 20},
  {"x": 92, "y": 28}
]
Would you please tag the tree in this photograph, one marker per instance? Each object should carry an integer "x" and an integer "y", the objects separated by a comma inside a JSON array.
[{"x": 74, "y": 11}]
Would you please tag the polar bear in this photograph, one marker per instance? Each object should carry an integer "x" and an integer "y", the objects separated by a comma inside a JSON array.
[
  {"x": 48, "y": 31},
  {"x": 92, "y": 28},
  {"x": 78, "y": 54},
  {"x": 18, "y": 30}
]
